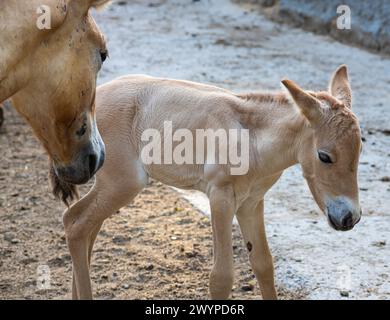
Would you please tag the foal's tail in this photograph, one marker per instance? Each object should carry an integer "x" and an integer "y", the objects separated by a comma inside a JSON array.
[{"x": 64, "y": 191}]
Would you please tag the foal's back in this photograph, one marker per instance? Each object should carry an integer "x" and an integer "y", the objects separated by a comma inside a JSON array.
[
  {"x": 129, "y": 105},
  {"x": 137, "y": 96}
]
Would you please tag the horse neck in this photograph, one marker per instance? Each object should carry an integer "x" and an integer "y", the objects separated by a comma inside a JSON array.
[
  {"x": 279, "y": 130},
  {"x": 11, "y": 84}
]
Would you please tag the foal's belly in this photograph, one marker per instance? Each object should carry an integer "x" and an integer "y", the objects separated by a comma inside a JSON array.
[{"x": 185, "y": 176}]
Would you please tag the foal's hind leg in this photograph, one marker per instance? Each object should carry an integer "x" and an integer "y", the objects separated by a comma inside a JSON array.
[
  {"x": 251, "y": 219},
  {"x": 222, "y": 212}
]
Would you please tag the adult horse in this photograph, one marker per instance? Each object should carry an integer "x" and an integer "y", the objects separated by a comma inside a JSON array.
[{"x": 50, "y": 71}]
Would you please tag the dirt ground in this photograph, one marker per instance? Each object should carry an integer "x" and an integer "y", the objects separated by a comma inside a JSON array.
[{"x": 160, "y": 246}]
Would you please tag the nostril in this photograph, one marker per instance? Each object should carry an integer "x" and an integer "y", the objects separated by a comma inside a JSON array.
[
  {"x": 347, "y": 221},
  {"x": 92, "y": 160}
]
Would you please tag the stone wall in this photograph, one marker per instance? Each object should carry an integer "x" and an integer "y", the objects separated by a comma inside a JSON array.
[{"x": 370, "y": 26}]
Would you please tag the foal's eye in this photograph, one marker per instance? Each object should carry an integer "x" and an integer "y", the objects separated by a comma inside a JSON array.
[
  {"x": 82, "y": 130},
  {"x": 103, "y": 55},
  {"x": 325, "y": 158}
]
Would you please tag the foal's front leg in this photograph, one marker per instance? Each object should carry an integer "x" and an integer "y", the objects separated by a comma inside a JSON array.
[
  {"x": 222, "y": 211},
  {"x": 92, "y": 240},
  {"x": 83, "y": 221},
  {"x": 79, "y": 229}
]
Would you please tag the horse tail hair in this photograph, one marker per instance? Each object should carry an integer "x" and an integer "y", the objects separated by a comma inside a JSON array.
[{"x": 64, "y": 191}]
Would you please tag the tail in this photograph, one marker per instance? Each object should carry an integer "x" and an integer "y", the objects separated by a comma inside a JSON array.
[{"x": 64, "y": 191}]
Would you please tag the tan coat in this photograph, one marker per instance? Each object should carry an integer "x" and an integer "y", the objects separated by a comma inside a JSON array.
[
  {"x": 51, "y": 76},
  {"x": 316, "y": 130}
]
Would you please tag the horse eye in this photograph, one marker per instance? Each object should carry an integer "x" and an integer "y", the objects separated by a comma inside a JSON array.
[
  {"x": 82, "y": 130},
  {"x": 324, "y": 157},
  {"x": 103, "y": 55}
]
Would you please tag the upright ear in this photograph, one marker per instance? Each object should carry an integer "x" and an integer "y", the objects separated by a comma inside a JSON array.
[
  {"x": 308, "y": 104},
  {"x": 99, "y": 3},
  {"x": 85, "y": 5},
  {"x": 339, "y": 86}
]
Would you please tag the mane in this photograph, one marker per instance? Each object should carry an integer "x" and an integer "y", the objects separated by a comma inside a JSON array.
[
  {"x": 254, "y": 101},
  {"x": 277, "y": 97}
]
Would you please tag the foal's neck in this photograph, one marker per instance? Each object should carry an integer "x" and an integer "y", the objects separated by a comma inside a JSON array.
[{"x": 279, "y": 129}]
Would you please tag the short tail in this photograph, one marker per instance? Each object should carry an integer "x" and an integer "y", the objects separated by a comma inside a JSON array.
[{"x": 64, "y": 191}]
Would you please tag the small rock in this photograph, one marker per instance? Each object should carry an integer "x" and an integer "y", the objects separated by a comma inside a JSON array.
[
  {"x": 120, "y": 239},
  {"x": 28, "y": 261},
  {"x": 379, "y": 243},
  {"x": 222, "y": 42},
  {"x": 9, "y": 236},
  {"x": 247, "y": 287},
  {"x": 344, "y": 293},
  {"x": 126, "y": 286},
  {"x": 191, "y": 254},
  {"x": 149, "y": 267},
  {"x": 386, "y": 132},
  {"x": 15, "y": 241},
  {"x": 385, "y": 179}
]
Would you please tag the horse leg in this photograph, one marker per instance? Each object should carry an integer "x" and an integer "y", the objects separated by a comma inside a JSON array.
[
  {"x": 82, "y": 223},
  {"x": 222, "y": 212},
  {"x": 251, "y": 219},
  {"x": 1, "y": 115},
  {"x": 117, "y": 183},
  {"x": 91, "y": 243}
]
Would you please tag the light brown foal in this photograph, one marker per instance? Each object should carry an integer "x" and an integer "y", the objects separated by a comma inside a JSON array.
[{"x": 315, "y": 129}]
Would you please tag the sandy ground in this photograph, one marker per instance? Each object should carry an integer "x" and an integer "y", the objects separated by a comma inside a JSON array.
[{"x": 160, "y": 246}]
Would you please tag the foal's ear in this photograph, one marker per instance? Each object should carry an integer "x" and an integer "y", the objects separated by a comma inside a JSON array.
[
  {"x": 339, "y": 86},
  {"x": 308, "y": 104},
  {"x": 99, "y": 3},
  {"x": 85, "y": 5}
]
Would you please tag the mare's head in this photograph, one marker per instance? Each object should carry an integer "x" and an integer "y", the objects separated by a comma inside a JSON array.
[{"x": 53, "y": 79}]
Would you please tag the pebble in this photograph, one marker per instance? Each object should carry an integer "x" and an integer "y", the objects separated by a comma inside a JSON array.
[
  {"x": 191, "y": 254},
  {"x": 344, "y": 293},
  {"x": 149, "y": 267},
  {"x": 247, "y": 287},
  {"x": 381, "y": 243},
  {"x": 120, "y": 239}
]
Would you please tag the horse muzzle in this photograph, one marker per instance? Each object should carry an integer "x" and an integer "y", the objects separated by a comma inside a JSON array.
[
  {"x": 342, "y": 215},
  {"x": 89, "y": 160}
]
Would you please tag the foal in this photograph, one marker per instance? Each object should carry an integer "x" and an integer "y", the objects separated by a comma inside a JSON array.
[{"x": 315, "y": 129}]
